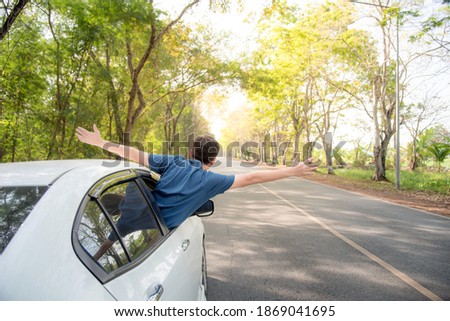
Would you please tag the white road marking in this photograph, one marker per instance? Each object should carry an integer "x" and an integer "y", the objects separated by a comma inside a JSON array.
[{"x": 402, "y": 276}]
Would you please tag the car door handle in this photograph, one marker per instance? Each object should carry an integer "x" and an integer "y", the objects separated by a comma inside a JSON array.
[
  {"x": 157, "y": 291},
  {"x": 185, "y": 245}
]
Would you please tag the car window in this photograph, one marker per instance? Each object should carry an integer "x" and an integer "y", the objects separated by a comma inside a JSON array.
[
  {"x": 16, "y": 204},
  {"x": 118, "y": 227}
]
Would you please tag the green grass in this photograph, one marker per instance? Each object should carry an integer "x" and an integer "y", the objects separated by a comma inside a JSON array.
[{"x": 415, "y": 181}]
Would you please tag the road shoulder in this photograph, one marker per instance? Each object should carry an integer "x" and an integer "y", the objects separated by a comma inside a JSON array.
[{"x": 430, "y": 202}]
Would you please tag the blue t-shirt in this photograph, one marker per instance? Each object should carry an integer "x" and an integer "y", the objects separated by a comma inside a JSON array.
[{"x": 184, "y": 186}]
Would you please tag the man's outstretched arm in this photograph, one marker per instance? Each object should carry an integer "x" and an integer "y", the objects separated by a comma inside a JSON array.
[
  {"x": 242, "y": 180},
  {"x": 95, "y": 139}
]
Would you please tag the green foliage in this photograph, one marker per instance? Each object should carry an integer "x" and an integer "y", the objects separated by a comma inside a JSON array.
[
  {"x": 359, "y": 157},
  {"x": 76, "y": 63},
  {"x": 23, "y": 84},
  {"x": 439, "y": 152},
  {"x": 434, "y": 143},
  {"x": 301, "y": 77},
  {"x": 409, "y": 180},
  {"x": 423, "y": 181},
  {"x": 124, "y": 66}
]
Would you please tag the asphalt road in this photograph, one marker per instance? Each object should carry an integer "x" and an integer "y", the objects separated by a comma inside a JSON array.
[{"x": 298, "y": 240}]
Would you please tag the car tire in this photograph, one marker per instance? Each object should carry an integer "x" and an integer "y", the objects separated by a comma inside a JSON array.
[{"x": 204, "y": 271}]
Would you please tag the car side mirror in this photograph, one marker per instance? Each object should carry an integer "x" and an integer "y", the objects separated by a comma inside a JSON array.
[{"x": 205, "y": 210}]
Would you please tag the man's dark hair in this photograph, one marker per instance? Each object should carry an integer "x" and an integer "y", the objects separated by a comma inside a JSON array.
[{"x": 205, "y": 149}]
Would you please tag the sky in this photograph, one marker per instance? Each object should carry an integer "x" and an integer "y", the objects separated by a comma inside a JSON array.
[{"x": 243, "y": 31}]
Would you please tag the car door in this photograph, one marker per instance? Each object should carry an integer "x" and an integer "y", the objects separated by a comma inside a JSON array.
[
  {"x": 121, "y": 239},
  {"x": 164, "y": 275}
]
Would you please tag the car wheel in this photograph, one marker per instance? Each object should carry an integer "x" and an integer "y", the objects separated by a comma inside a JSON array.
[{"x": 204, "y": 271}]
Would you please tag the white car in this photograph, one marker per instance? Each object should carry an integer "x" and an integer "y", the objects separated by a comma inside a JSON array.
[{"x": 89, "y": 230}]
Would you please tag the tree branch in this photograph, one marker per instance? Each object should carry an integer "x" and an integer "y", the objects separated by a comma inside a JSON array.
[
  {"x": 18, "y": 7},
  {"x": 154, "y": 39}
]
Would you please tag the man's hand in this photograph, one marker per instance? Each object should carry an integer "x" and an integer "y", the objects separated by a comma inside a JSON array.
[
  {"x": 92, "y": 138},
  {"x": 305, "y": 168}
]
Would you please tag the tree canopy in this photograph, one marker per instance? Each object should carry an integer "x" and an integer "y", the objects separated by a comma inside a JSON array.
[{"x": 143, "y": 75}]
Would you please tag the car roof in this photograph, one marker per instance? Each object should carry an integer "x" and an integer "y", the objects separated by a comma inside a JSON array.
[{"x": 45, "y": 173}]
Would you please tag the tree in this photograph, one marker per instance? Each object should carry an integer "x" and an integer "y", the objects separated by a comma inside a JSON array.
[
  {"x": 432, "y": 142},
  {"x": 134, "y": 30},
  {"x": 419, "y": 117},
  {"x": 63, "y": 66},
  {"x": 380, "y": 78},
  {"x": 23, "y": 112},
  {"x": 306, "y": 65},
  {"x": 190, "y": 67},
  {"x": 434, "y": 31},
  {"x": 439, "y": 152},
  {"x": 389, "y": 18},
  {"x": 70, "y": 52},
  {"x": 135, "y": 109}
]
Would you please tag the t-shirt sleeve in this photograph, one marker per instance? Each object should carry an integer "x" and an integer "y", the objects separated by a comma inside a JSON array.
[
  {"x": 159, "y": 163},
  {"x": 219, "y": 183}
]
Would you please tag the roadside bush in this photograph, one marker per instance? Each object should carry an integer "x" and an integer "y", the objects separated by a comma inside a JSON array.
[{"x": 409, "y": 180}]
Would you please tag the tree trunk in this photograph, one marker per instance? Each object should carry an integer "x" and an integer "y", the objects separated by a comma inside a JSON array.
[
  {"x": 328, "y": 147},
  {"x": 133, "y": 113},
  {"x": 414, "y": 163},
  {"x": 296, "y": 155},
  {"x": 2, "y": 131},
  {"x": 380, "y": 171}
]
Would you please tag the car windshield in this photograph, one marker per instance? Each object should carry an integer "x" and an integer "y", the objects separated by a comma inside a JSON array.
[{"x": 15, "y": 205}]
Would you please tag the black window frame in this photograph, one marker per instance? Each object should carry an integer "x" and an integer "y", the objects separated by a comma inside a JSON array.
[{"x": 120, "y": 177}]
